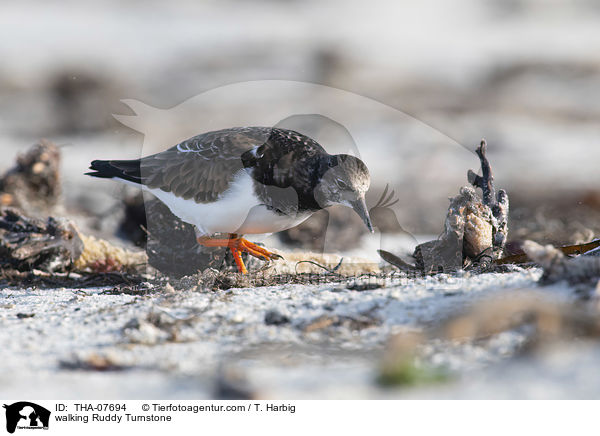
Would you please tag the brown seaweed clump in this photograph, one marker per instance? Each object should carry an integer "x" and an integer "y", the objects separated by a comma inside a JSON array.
[
  {"x": 28, "y": 243},
  {"x": 475, "y": 228},
  {"x": 55, "y": 245}
]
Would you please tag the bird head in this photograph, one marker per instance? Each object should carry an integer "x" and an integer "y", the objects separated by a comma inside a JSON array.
[{"x": 346, "y": 182}]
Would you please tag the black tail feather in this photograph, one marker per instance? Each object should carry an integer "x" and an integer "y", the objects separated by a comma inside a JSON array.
[{"x": 120, "y": 169}]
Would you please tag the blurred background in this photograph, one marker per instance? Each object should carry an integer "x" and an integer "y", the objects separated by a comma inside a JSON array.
[{"x": 523, "y": 74}]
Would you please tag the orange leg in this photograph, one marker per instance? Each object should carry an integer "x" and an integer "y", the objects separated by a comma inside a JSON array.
[
  {"x": 237, "y": 245},
  {"x": 238, "y": 260}
]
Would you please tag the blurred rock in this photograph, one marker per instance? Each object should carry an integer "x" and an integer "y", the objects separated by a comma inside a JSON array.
[
  {"x": 108, "y": 361},
  {"x": 273, "y": 317},
  {"x": 558, "y": 267},
  {"x": 172, "y": 247},
  {"x": 550, "y": 320},
  {"x": 173, "y": 250},
  {"x": 356, "y": 322},
  {"x": 143, "y": 331},
  {"x": 134, "y": 220},
  {"x": 232, "y": 384},
  {"x": 34, "y": 184},
  {"x": 162, "y": 325}
]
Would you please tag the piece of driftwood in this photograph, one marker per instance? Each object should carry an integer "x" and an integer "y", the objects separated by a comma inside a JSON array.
[
  {"x": 392, "y": 259},
  {"x": 498, "y": 203},
  {"x": 474, "y": 229},
  {"x": 595, "y": 251},
  {"x": 518, "y": 256},
  {"x": 28, "y": 243},
  {"x": 557, "y": 267},
  {"x": 33, "y": 184}
]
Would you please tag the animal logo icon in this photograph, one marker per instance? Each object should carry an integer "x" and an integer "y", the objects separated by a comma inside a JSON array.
[{"x": 26, "y": 415}]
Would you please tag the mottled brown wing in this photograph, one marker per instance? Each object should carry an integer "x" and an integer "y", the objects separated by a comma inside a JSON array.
[{"x": 201, "y": 168}]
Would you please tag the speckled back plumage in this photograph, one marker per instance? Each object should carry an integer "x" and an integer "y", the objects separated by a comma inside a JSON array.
[
  {"x": 286, "y": 169},
  {"x": 203, "y": 167}
]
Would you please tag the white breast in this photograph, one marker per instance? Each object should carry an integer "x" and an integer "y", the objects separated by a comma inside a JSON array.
[{"x": 237, "y": 210}]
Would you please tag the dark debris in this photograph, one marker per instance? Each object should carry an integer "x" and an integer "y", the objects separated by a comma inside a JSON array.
[
  {"x": 28, "y": 243},
  {"x": 39, "y": 279},
  {"x": 273, "y": 317}
]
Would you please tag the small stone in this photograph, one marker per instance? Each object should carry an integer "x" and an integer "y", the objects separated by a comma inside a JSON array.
[
  {"x": 231, "y": 384},
  {"x": 140, "y": 331},
  {"x": 273, "y": 317},
  {"x": 319, "y": 323},
  {"x": 237, "y": 318},
  {"x": 361, "y": 286},
  {"x": 93, "y": 362}
]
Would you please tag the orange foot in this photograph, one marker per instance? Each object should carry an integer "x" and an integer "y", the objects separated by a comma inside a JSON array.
[{"x": 238, "y": 244}]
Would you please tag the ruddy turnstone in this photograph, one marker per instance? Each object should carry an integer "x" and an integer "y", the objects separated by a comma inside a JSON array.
[{"x": 245, "y": 180}]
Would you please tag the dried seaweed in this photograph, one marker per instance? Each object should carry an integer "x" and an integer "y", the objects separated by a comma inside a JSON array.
[
  {"x": 39, "y": 279},
  {"x": 29, "y": 243},
  {"x": 474, "y": 230}
]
